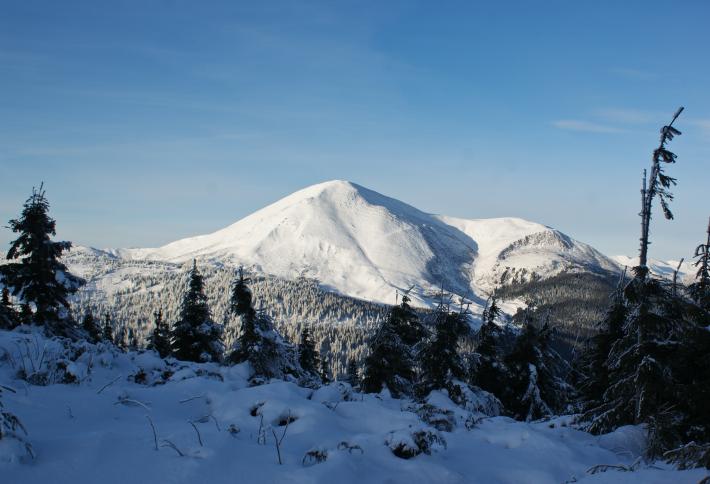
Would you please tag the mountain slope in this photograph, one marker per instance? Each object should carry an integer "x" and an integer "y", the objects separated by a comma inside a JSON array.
[{"x": 363, "y": 244}]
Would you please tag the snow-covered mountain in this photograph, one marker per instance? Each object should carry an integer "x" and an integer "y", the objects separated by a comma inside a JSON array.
[
  {"x": 661, "y": 268},
  {"x": 363, "y": 244}
]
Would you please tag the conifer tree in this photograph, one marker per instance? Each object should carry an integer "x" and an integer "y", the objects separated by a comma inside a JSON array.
[
  {"x": 700, "y": 289},
  {"x": 132, "y": 340},
  {"x": 195, "y": 337},
  {"x": 536, "y": 389},
  {"x": 160, "y": 337},
  {"x": 353, "y": 374},
  {"x": 594, "y": 369},
  {"x": 307, "y": 354},
  {"x": 391, "y": 359},
  {"x": 120, "y": 337},
  {"x": 258, "y": 343},
  {"x": 440, "y": 359},
  {"x": 39, "y": 278},
  {"x": 107, "y": 330},
  {"x": 26, "y": 314},
  {"x": 92, "y": 329},
  {"x": 240, "y": 305},
  {"x": 8, "y": 316},
  {"x": 489, "y": 371},
  {"x": 325, "y": 370}
]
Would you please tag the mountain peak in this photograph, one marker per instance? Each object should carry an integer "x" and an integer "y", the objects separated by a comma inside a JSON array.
[{"x": 367, "y": 245}]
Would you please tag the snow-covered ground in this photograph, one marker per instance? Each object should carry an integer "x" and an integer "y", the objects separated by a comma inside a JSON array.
[{"x": 98, "y": 429}]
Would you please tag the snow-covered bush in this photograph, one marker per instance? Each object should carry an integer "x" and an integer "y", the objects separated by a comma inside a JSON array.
[
  {"x": 13, "y": 435},
  {"x": 406, "y": 444}
]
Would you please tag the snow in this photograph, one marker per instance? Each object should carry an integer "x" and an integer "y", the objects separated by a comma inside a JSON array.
[
  {"x": 363, "y": 244},
  {"x": 661, "y": 268},
  {"x": 99, "y": 430}
]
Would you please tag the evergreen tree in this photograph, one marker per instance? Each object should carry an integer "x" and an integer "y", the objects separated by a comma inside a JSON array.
[
  {"x": 536, "y": 389},
  {"x": 258, "y": 343},
  {"x": 160, "y": 337},
  {"x": 39, "y": 278},
  {"x": 195, "y": 337},
  {"x": 353, "y": 374},
  {"x": 489, "y": 371},
  {"x": 391, "y": 359},
  {"x": 26, "y": 314},
  {"x": 8, "y": 316},
  {"x": 107, "y": 330},
  {"x": 700, "y": 289},
  {"x": 120, "y": 337},
  {"x": 307, "y": 354},
  {"x": 594, "y": 369},
  {"x": 325, "y": 375},
  {"x": 440, "y": 359},
  {"x": 132, "y": 340},
  {"x": 92, "y": 329}
]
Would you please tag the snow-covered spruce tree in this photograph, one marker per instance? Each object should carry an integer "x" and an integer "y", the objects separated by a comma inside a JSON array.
[
  {"x": 593, "y": 365},
  {"x": 535, "y": 387},
  {"x": 658, "y": 370},
  {"x": 11, "y": 426},
  {"x": 325, "y": 375},
  {"x": 439, "y": 357},
  {"x": 195, "y": 337},
  {"x": 107, "y": 329},
  {"x": 160, "y": 337},
  {"x": 89, "y": 325},
  {"x": 120, "y": 337},
  {"x": 700, "y": 289},
  {"x": 488, "y": 371},
  {"x": 39, "y": 278},
  {"x": 8, "y": 316},
  {"x": 352, "y": 374},
  {"x": 390, "y": 362},
  {"x": 258, "y": 342},
  {"x": 307, "y": 354}
]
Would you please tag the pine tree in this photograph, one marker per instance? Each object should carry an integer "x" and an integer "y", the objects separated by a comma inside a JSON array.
[
  {"x": 39, "y": 278},
  {"x": 391, "y": 359},
  {"x": 259, "y": 343},
  {"x": 307, "y": 354},
  {"x": 440, "y": 359},
  {"x": 132, "y": 340},
  {"x": 325, "y": 370},
  {"x": 536, "y": 389},
  {"x": 8, "y": 316},
  {"x": 489, "y": 371},
  {"x": 26, "y": 314},
  {"x": 594, "y": 369},
  {"x": 107, "y": 330},
  {"x": 92, "y": 330},
  {"x": 700, "y": 289},
  {"x": 353, "y": 374},
  {"x": 657, "y": 368},
  {"x": 120, "y": 337},
  {"x": 160, "y": 337},
  {"x": 195, "y": 337}
]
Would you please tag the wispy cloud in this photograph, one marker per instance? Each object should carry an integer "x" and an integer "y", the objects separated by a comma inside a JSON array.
[
  {"x": 626, "y": 116},
  {"x": 584, "y": 126},
  {"x": 703, "y": 125},
  {"x": 635, "y": 74}
]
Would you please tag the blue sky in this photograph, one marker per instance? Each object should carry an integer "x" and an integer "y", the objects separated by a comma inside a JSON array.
[{"x": 149, "y": 121}]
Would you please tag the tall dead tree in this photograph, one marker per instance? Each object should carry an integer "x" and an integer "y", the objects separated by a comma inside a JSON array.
[{"x": 657, "y": 184}]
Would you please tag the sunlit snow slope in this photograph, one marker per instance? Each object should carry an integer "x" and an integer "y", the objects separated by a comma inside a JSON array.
[{"x": 364, "y": 244}]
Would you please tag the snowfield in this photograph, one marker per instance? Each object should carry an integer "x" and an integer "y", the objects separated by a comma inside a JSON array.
[{"x": 211, "y": 426}]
